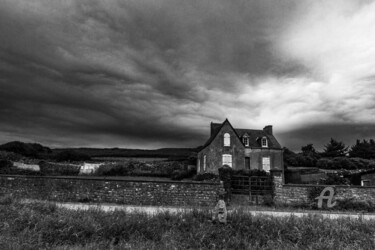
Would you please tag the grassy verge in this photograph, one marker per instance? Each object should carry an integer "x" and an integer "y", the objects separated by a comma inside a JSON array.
[{"x": 44, "y": 226}]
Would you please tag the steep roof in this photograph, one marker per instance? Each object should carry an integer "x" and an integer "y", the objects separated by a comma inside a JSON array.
[
  {"x": 215, "y": 129},
  {"x": 254, "y": 135}
]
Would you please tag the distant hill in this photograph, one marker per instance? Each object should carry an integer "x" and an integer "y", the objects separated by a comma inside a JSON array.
[
  {"x": 120, "y": 152},
  {"x": 35, "y": 150}
]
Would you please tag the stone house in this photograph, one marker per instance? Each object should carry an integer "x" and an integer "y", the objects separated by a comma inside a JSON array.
[{"x": 239, "y": 149}]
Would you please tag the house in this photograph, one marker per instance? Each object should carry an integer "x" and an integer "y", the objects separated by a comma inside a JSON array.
[{"x": 239, "y": 149}]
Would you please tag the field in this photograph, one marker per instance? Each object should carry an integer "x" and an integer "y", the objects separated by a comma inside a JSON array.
[
  {"x": 44, "y": 226},
  {"x": 142, "y": 159}
]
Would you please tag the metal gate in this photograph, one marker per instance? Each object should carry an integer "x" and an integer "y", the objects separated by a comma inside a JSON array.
[{"x": 257, "y": 187}]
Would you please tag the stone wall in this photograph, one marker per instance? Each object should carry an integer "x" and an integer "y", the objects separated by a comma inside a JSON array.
[
  {"x": 97, "y": 190},
  {"x": 299, "y": 193}
]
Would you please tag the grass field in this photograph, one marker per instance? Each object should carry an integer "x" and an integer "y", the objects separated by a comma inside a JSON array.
[{"x": 44, "y": 226}]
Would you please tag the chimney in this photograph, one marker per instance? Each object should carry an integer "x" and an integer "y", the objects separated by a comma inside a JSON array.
[
  {"x": 268, "y": 129},
  {"x": 212, "y": 128}
]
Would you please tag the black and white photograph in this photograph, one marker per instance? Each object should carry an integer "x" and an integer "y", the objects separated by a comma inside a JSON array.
[{"x": 195, "y": 124}]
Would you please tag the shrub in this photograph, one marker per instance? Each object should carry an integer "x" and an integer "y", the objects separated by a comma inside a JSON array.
[
  {"x": 6, "y": 199},
  {"x": 34, "y": 150},
  {"x": 5, "y": 164},
  {"x": 6, "y": 167},
  {"x": 183, "y": 174},
  {"x": 10, "y": 156},
  {"x": 351, "y": 205},
  {"x": 47, "y": 168},
  {"x": 334, "y": 179},
  {"x": 206, "y": 177},
  {"x": 114, "y": 169},
  {"x": 71, "y": 155},
  {"x": 225, "y": 175},
  {"x": 339, "y": 163},
  {"x": 251, "y": 172}
]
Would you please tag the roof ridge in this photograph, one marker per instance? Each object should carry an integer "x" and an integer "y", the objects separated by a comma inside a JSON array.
[{"x": 249, "y": 129}]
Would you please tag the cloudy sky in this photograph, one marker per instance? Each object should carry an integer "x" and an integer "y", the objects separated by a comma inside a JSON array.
[{"x": 155, "y": 73}]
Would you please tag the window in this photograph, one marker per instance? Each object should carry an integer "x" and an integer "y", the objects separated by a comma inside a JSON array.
[
  {"x": 204, "y": 163},
  {"x": 245, "y": 141},
  {"x": 247, "y": 162},
  {"x": 266, "y": 164},
  {"x": 198, "y": 166},
  {"x": 227, "y": 160},
  {"x": 226, "y": 139},
  {"x": 264, "y": 142}
]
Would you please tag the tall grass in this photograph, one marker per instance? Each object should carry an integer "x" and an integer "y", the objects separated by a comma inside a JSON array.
[{"x": 42, "y": 225}]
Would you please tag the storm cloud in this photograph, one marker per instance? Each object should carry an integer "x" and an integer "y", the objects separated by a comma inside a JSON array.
[{"x": 151, "y": 74}]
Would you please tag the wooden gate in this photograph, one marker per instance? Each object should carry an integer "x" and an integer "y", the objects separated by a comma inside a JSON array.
[{"x": 257, "y": 187}]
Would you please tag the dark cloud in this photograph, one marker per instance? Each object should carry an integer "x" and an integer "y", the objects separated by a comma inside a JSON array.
[
  {"x": 319, "y": 135},
  {"x": 155, "y": 73}
]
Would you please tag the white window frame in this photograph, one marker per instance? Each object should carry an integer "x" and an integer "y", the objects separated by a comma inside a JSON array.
[
  {"x": 226, "y": 139},
  {"x": 266, "y": 163},
  {"x": 245, "y": 140},
  {"x": 227, "y": 160},
  {"x": 264, "y": 142},
  {"x": 204, "y": 163}
]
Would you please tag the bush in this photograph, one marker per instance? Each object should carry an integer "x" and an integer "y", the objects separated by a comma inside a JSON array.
[
  {"x": 206, "y": 177},
  {"x": 6, "y": 167},
  {"x": 251, "y": 172},
  {"x": 5, "y": 164},
  {"x": 6, "y": 199},
  {"x": 153, "y": 169},
  {"x": 10, "y": 156},
  {"x": 339, "y": 163},
  {"x": 334, "y": 179},
  {"x": 34, "y": 150},
  {"x": 114, "y": 169},
  {"x": 183, "y": 174},
  {"x": 351, "y": 205},
  {"x": 47, "y": 168},
  {"x": 71, "y": 156}
]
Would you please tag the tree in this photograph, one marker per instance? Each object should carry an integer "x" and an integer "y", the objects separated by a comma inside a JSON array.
[
  {"x": 335, "y": 149},
  {"x": 307, "y": 158},
  {"x": 34, "y": 150},
  {"x": 308, "y": 149},
  {"x": 71, "y": 155},
  {"x": 363, "y": 149}
]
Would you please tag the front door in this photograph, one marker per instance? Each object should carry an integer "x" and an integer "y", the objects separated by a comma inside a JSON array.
[{"x": 247, "y": 162}]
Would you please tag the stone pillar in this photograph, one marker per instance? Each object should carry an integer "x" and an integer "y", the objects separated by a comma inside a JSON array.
[{"x": 278, "y": 181}]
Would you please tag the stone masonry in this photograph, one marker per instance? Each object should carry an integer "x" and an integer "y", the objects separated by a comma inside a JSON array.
[
  {"x": 96, "y": 190},
  {"x": 299, "y": 193}
]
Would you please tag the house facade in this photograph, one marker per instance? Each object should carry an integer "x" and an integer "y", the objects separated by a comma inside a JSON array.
[{"x": 239, "y": 149}]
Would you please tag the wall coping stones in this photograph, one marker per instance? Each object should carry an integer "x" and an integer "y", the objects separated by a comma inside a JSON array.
[
  {"x": 112, "y": 178},
  {"x": 338, "y": 186}
]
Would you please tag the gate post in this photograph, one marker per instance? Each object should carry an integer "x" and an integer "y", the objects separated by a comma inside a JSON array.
[
  {"x": 278, "y": 181},
  {"x": 250, "y": 197}
]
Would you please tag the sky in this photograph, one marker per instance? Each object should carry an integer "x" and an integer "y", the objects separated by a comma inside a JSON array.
[{"x": 155, "y": 73}]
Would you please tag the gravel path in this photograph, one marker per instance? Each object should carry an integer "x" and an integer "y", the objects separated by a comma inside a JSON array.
[{"x": 152, "y": 210}]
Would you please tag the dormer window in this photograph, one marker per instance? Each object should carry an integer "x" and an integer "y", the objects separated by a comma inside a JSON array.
[
  {"x": 226, "y": 139},
  {"x": 245, "y": 140},
  {"x": 264, "y": 142}
]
